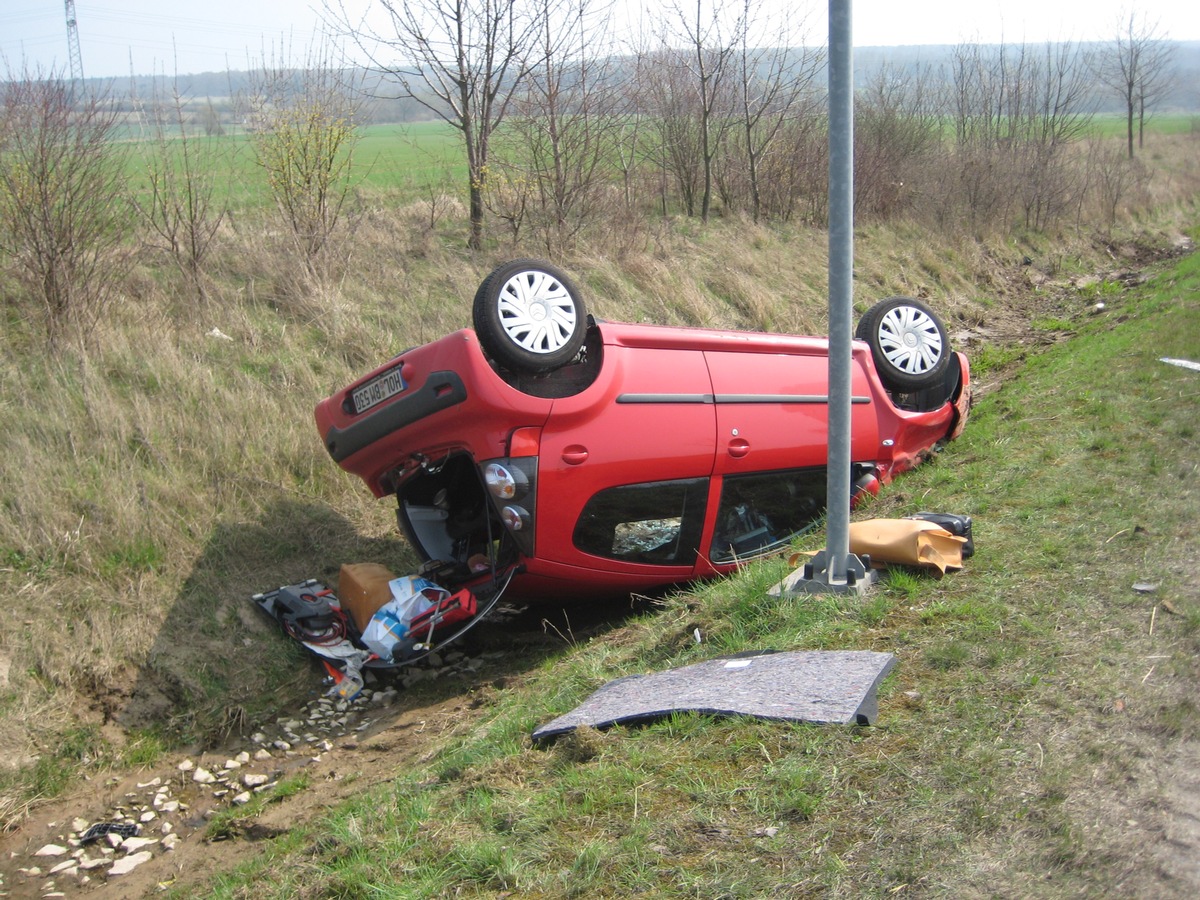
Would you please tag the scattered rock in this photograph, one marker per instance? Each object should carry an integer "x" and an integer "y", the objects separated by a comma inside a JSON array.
[
  {"x": 51, "y": 850},
  {"x": 127, "y": 864},
  {"x": 136, "y": 844}
]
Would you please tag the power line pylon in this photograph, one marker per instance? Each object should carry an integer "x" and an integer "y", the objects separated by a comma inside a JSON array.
[{"x": 73, "y": 45}]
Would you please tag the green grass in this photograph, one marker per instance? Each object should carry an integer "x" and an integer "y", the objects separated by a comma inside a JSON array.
[
  {"x": 408, "y": 162},
  {"x": 995, "y": 749}
]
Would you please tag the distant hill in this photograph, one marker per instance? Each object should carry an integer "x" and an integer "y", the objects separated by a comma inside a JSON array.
[{"x": 868, "y": 62}]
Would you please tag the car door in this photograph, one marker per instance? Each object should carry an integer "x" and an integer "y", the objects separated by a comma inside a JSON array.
[
  {"x": 637, "y": 445},
  {"x": 772, "y": 410}
]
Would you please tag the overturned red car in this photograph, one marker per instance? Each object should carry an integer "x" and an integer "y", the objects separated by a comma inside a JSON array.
[{"x": 574, "y": 457}]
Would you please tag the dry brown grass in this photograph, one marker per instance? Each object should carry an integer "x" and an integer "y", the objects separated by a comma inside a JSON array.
[{"x": 164, "y": 467}]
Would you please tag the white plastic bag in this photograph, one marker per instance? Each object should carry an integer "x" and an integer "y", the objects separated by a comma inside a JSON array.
[{"x": 411, "y": 596}]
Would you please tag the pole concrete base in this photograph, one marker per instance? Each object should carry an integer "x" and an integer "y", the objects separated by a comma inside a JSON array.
[{"x": 813, "y": 578}]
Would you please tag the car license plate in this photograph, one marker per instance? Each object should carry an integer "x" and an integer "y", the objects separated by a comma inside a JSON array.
[{"x": 375, "y": 391}]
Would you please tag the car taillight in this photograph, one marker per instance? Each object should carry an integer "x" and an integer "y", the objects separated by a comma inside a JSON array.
[
  {"x": 516, "y": 518},
  {"x": 503, "y": 482},
  {"x": 512, "y": 483}
]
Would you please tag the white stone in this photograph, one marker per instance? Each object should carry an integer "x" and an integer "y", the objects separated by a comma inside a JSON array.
[
  {"x": 262, "y": 754},
  {"x": 282, "y": 745},
  {"x": 51, "y": 850},
  {"x": 242, "y": 799},
  {"x": 88, "y": 864},
  {"x": 186, "y": 766},
  {"x": 251, "y": 779},
  {"x": 171, "y": 841},
  {"x": 134, "y": 844},
  {"x": 67, "y": 865},
  {"x": 243, "y": 757},
  {"x": 203, "y": 776},
  {"x": 127, "y": 864},
  {"x": 148, "y": 816},
  {"x": 258, "y": 737},
  {"x": 170, "y": 806},
  {"x": 232, "y": 764},
  {"x": 155, "y": 782},
  {"x": 114, "y": 840},
  {"x": 79, "y": 825}
]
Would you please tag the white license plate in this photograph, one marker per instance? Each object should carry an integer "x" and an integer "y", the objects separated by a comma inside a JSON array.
[{"x": 375, "y": 391}]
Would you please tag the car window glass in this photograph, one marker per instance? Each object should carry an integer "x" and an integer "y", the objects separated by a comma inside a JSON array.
[
  {"x": 761, "y": 513},
  {"x": 657, "y": 522}
]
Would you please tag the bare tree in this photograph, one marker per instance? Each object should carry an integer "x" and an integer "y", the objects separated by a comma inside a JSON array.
[
  {"x": 774, "y": 74},
  {"x": 463, "y": 60},
  {"x": 711, "y": 35},
  {"x": 1137, "y": 68},
  {"x": 63, "y": 214},
  {"x": 181, "y": 206},
  {"x": 303, "y": 130},
  {"x": 1016, "y": 110},
  {"x": 563, "y": 125},
  {"x": 897, "y": 131},
  {"x": 676, "y": 149}
]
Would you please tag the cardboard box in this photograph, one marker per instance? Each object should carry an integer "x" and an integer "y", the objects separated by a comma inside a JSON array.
[{"x": 362, "y": 589}]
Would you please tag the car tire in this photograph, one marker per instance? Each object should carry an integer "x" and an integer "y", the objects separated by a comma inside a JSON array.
[
  {"x": 529, "y": 316},
  {"x": 908, "y": 344}
]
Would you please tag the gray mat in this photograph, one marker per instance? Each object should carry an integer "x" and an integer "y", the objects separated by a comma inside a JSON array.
[{"x": 823, "y": 687}]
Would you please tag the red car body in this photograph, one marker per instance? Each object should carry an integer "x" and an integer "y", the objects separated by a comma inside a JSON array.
[{"x": 663, "y": 456}]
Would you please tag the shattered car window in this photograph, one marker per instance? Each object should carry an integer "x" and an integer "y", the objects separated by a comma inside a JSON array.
[
  {"x": 761, "y": 513},
  {"x": 658, "y": 522}
]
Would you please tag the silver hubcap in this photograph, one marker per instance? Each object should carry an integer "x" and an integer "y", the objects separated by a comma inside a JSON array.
[
  {"x": 536, "y": 312},
  {"x": 910, "y": 340}
]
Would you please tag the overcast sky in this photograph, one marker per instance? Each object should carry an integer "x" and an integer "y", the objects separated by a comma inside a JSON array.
[{"x": 146, "y": 36}]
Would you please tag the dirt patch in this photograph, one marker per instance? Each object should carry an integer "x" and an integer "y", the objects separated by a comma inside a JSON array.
[{"x": 187, "y": 829}]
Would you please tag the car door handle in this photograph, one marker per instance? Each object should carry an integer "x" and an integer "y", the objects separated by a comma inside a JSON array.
[
  {"x": 738, "y": 448},
  {"x": 574, "y": 455}
]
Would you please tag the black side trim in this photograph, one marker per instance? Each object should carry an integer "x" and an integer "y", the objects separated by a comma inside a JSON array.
[
  {"x": 666, "y": 398},
  {"x": 441, "y": 390},
  {"x": 782, "y": 398},
  {"x": 730, "y": 398}
]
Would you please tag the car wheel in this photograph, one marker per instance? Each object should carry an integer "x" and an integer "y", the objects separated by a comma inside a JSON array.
[
  {"x": 529, "y": 316},
  {"x": 908, "y": 343}
]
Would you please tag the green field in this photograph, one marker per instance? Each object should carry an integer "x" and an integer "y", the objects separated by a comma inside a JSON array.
[{"x": 409, "y": 161}]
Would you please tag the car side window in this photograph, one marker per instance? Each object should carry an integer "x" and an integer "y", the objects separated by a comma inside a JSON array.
[
  {"x": 761, "y": 513},
  {"x": 656, "y": 522}
]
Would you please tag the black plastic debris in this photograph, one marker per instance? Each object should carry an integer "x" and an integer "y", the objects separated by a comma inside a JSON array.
[{"x": 100, "y": 829}]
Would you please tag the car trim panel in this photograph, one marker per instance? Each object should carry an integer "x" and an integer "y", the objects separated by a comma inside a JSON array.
[
  {"x": 781, "y": 398},
  {"x": 665, "y": 398},
  {"x": 440, "y": 391},
  {"x": 732, "y": 398}
]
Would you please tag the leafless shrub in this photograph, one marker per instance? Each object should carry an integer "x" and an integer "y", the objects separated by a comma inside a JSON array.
[
  {"x": 1113, "y": 177},
  {"x": 303, "y": 130},
  {"x": 62, "y": 207},
  {"x": 180, "y": 206},
  {"x": 563, "y": 130},
  {"x": 897, "y": 127}
]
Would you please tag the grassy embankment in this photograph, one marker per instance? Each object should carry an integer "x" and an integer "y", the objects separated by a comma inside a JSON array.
[
  {"x": 1025, "y": 743},
  {"x": 167, "y": 467}
]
